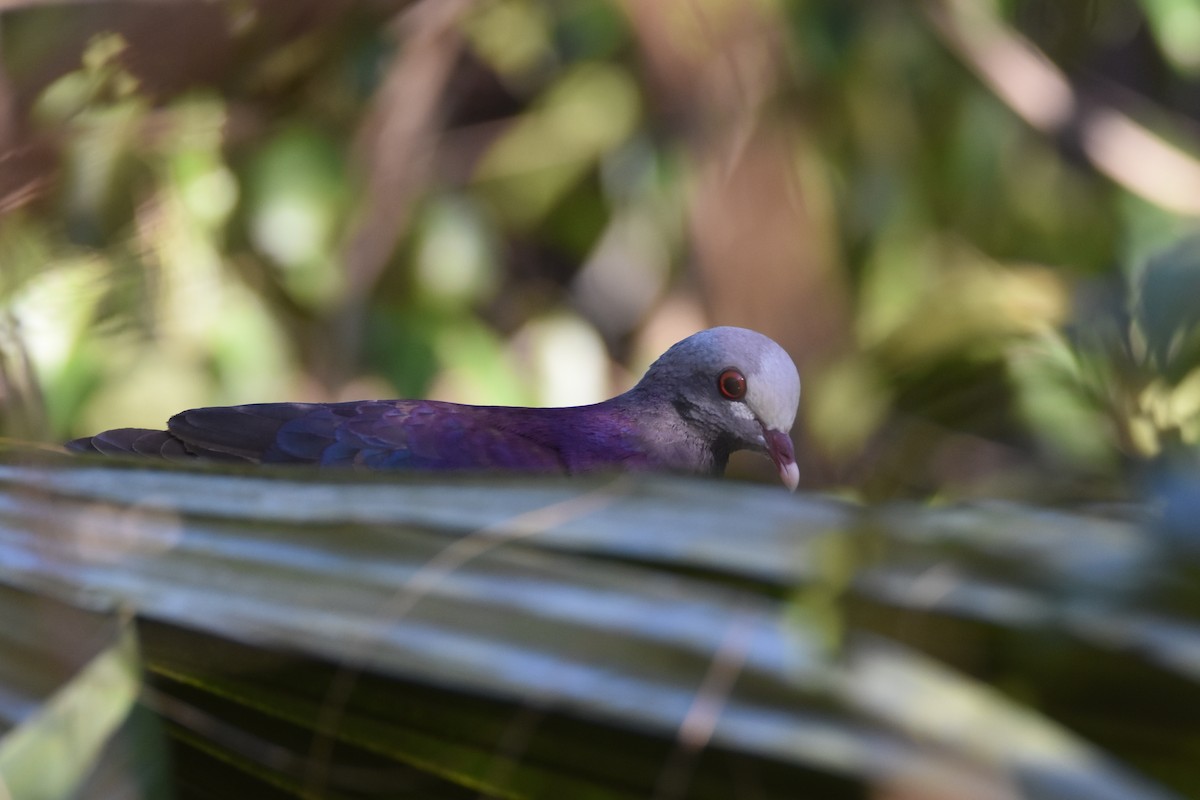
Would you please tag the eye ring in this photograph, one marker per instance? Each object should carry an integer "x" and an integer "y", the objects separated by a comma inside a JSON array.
[{"x": 732, "y": 384}]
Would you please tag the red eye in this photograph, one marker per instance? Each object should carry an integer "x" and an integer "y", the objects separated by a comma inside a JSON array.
[{"x": 732, "y": 384}]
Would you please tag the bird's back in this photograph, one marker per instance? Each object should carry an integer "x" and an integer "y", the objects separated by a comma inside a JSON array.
[{"x": 384, "y": 434}]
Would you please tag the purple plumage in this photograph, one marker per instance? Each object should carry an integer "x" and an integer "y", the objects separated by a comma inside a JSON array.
[{"x": 717, "y": 391}]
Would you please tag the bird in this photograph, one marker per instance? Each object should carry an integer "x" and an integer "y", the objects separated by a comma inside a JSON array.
[{"x": 717, "y": 391}]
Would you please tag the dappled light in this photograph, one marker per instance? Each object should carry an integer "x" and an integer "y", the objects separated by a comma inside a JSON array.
[
  {"x": 415, "y": 201},
  {"x": 974, "y": 227}
]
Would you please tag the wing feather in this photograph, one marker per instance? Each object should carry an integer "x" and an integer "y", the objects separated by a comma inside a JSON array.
[{"x": 415, "y": 434}]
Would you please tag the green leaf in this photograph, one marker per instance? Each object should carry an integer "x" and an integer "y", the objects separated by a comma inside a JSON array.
[
  {"x": 324, "y": 634},
  {"x": 1167, "y": 310},
  {"x": 70, "y": 681}
]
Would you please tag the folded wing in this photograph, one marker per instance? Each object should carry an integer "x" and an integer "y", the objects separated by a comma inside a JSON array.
[{"x": 374, "y": 434}]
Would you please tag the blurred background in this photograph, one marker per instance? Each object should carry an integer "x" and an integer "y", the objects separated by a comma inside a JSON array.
[
  {"x": 973, "y": 224},
  {"x": 970, "y": 222}
]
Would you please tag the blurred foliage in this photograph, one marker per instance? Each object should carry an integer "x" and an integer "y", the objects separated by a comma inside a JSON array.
[
  {"x": 972, "y": 223},
  {"x": 513, "y": 201}
]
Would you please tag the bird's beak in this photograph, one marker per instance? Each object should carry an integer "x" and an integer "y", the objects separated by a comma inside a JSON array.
[{"x": 781, "y": 451}]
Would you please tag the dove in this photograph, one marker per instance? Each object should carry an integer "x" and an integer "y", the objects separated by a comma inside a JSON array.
[{"x": 717, "y": 391}]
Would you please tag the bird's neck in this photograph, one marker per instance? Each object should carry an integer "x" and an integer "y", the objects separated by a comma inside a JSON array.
[
  {"x": 640, "y": 429},
  {"x": 661, "y": 425}
]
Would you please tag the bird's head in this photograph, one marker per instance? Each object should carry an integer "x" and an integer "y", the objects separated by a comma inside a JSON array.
[{"x": 735, "y": 388}]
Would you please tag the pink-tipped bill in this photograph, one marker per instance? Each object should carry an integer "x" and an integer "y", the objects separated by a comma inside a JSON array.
[{"x": 781, "y": 451}]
